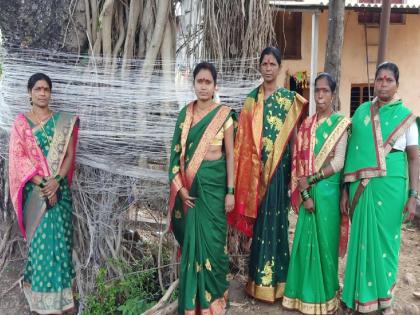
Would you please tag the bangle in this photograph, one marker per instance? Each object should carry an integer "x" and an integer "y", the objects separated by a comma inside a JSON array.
[
  {"x": 42, "y": 183},
  {"x": 58, "y": 178},
  {"x": 412, "y": 193},
  {"x": 315, "y": 178},
  {"x": 230, "y": 190},
  {"x": 305, "y": 195}
]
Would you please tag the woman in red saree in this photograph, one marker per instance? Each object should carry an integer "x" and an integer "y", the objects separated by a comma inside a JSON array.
[
  {"x": 41, "y": 161},
  {"x": 201, "y": 175}
]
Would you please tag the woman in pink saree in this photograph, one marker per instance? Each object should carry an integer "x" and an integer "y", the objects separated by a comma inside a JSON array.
[{"x": 41, "y": 163}]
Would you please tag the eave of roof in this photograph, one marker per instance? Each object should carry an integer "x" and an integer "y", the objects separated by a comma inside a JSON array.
[{"x": 316, "y": 5}]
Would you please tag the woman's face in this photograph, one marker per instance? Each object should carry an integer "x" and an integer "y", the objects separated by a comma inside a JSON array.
[
  {"x": 385, "y": 85},
  {"x": 269, "y": 68},
  {"x": 40, "y": 93},
  {"x": 323, "y": 95},
  {"x": 204, "y": 86}
]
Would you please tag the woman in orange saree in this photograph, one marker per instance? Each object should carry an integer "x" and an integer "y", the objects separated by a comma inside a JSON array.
[{"x": 267, "y": 123}]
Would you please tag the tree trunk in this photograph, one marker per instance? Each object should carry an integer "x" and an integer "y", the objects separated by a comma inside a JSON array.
[
  {"x": 106, "y": 27},
  {"x": 335, "y": 44},
  {"x": 153, "y": 49},
  {"x": 121, "y": 35},
  {"x": 146, "y": 29},
  {"x": 135, "y": 14}
]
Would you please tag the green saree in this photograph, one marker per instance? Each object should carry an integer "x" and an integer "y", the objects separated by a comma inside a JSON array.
[
  {"x": 200, "y": 231},
  {"x": 378, "y": 192},
  {"x": 312, "y": 281},
  {"x": 269, "y": 256},
  {"x": 48, "y": 274}
]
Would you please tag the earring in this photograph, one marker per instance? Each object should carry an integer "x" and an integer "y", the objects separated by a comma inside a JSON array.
[{"x": 30, "y": 101}]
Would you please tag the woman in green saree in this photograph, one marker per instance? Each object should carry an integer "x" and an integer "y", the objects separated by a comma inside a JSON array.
[
  {"x": 201, "y": 175},
  {"x": 382, "y": 171},
  {"x": 318, "y": 157},
  {"x": 41, "y": 160},
  {"x": 262, "y": 157}
]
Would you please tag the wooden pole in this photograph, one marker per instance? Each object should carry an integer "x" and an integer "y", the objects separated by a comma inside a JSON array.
[
  {"x": 383, "y": 31},
  {"x": 332, "y": 65},
  {"x": 314, "y": 61}
]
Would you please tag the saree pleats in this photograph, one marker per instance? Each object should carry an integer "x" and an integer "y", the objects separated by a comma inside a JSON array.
[
  {"x": 312, "y": 281},
  {"x": 372, "y": 262},
  {"x": 201, "y": 233},
  {"x": 269, "y": 256},
  {"x": 49, "y": 270}
]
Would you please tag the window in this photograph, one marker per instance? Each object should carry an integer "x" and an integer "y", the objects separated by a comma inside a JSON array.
[
  {"x": 358, "y": 95},
  {"x": 374, "y": 18},
  {"x": 288, "y": 28}
]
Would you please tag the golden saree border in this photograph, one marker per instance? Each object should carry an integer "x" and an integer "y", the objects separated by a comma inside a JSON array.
[
  {"x": 374, "y": 305},
  {"x": 175, "y": 186},
  {"x": 258, "y": 120},
  {"x": 398, "y": 132},
  {"x": 205, "y": 141},
  {"x": 265, "y": 293},
  {"x": 186, "y": 125},
  {"x": 328, "y": 307},
  {"x": 330, "y": 143},
  {"x": 217, "y": 307},
  {"x": 293, "y": 115},
  {"x": 49, "y": 302}
]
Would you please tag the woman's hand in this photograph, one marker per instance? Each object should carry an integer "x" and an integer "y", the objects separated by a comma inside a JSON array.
[
  {"x": 344, "y": 202},
  {"x": 187, "y": 200},
  {"x": 303, "y": 183},
  {"x": 410, "y": 209},
  {"x": 50, "y": 188},
  {"x": 53, "y": 200},
  {"x": 229, "y": 202},
  {"x": 309, "y": 205}
]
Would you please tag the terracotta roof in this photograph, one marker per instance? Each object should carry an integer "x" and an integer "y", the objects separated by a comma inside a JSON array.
[{"x": 412, "y": 6}]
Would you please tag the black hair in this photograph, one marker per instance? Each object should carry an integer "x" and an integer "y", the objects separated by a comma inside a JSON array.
[
  {"x": 206, "y": 66},
  {"x": 330, "y": 79},
  {"x": 388, "y": 66},
  {"x": 271, "y": 51},
  {"x": 38, "y": 77}
]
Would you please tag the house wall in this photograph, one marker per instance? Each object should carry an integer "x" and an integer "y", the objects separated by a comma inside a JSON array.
[{"x": 403, "y": 49}]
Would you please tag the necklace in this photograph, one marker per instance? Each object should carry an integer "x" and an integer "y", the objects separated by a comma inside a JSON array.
[
  {"x": 200, "y": 113},
  {"x": 41, "y": 124}
]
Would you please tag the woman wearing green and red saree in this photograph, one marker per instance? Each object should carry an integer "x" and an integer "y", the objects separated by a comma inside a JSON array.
[
  {"x": 267, "y": 124},
  {"x": 382, "y": 171},
  {"x": 201, "y": 175},
  {"x": 318, "y": 158},
  {"x": 41, "y": 163}
]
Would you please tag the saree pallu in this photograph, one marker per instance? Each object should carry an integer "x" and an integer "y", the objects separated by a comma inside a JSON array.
[
  {"x": 312, "y": 281},
  {"x": 48, "y": 273},
  {"x": 377, "y": 193},
  {"x": 201, "y": 231},
  {"x": 262, "y": 158}
]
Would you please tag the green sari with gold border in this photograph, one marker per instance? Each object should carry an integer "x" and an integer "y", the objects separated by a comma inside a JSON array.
[
  {"x": 312, "y": 281},
  {"x": 201, "y": 231},
  {"x": 378, "y": 185},
  {"x": 269, "y": 256}
]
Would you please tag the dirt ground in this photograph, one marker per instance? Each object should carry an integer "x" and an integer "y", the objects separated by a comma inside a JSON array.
[{"x": 14, "y": 303}]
